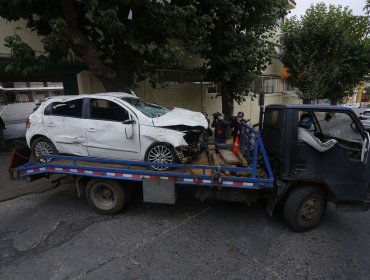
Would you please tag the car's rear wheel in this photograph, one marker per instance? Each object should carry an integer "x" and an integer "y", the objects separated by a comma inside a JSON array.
[
  {"x": 161, "y": 153},
  {"x": 42, "y": 146}
]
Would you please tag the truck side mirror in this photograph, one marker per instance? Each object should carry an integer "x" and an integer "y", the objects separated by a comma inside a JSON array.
[{"x": 365, "y": 148}]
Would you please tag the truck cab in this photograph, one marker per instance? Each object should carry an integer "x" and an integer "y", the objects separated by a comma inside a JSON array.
[{"x": 339, "y": 175}]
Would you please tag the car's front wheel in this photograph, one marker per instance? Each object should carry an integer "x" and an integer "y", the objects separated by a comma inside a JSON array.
[
  {"x": 42, "y": 146},
  {"x": 161, "y": 153}
]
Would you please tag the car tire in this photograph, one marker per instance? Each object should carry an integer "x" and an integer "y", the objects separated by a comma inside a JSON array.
[
  {"x": 161, "y": 153},
  {"x": 42, "y": 146},
  {"x": 304, "y": 208},
  {"x": 107, "y": 197}
]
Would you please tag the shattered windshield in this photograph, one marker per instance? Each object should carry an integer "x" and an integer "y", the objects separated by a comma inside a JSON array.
[{"x": 148, "y": 109}]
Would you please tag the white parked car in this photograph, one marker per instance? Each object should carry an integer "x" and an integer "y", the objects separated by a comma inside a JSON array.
[
  {"x": 117, "y": 126},
  {"x": 365, "y": 119}
]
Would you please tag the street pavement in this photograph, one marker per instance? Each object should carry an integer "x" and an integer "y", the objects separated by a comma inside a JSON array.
[
  {"x": 53, "y": 234},
  {"x": 47, "y": 232}
]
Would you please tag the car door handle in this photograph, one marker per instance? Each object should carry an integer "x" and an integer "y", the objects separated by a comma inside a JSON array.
[
  {"x": 50, "y": 124},
  {"x": 92, "y": 130}
]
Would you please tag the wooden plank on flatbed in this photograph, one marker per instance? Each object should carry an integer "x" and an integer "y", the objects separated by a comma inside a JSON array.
[
  {"x": 229, "y": 157},
  {"x": 241, "y": 158},
  {"x": 201, "y": 159},
  {"x": 217, "y": 161}
]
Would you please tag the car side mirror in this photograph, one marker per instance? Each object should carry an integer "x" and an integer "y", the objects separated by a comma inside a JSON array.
[
  {"x": 129, "y": 121},
  {"x": 129, "y": 129},
  {"x": 365, "y": 148}
]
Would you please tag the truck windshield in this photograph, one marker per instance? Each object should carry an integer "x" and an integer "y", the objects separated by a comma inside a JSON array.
[{"x": 148, "y": 109}]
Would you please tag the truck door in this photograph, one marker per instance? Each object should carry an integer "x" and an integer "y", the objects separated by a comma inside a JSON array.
[{"x": 344, "y": 167}]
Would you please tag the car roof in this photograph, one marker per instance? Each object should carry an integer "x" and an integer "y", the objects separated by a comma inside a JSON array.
[{"x": 95, "y": 95}]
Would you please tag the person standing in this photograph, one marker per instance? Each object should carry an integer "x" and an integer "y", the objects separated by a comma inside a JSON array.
[
  {"x": 2, "y": 141},
  {"x": 236, "y": 125},
  {"x": 220, "y": 125}
]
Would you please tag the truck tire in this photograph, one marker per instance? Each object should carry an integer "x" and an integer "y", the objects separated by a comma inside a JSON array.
[
  {"x": 107, "y": 196},
  {"x": 304, "y": 208}
]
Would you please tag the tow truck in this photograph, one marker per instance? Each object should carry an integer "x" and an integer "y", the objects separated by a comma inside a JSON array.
[{"x": 286, "y": 171}]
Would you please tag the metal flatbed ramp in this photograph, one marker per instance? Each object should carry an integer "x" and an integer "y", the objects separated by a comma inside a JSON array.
[{"x": 202, "y": 175}]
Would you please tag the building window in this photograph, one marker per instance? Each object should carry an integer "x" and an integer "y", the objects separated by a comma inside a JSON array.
[{"x": 267, "y": 84}]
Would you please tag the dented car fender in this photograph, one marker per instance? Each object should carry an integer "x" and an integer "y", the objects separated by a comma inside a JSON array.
[{"x": 152, "y": 134}]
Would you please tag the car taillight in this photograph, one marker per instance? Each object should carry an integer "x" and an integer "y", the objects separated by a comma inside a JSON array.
[{"x": 28, "y": 123}]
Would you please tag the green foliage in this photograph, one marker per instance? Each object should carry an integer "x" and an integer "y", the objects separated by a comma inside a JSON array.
[
  {"x": 131, "y": 49},
  {"x": 235, "y": 39},
  {"x": 326, "y": 52},
  {"x": 233, "y": 36}
]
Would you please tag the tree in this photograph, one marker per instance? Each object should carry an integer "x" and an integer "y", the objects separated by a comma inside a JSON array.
[
  {"x": 121, "y": 42},
  {"x": 236, "y": 44},
  {"x": 326, "y": 52},
  {"x": 231, "y": 35}
]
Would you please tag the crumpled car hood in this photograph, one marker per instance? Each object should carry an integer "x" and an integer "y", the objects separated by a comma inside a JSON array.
[{"x": 179, "y": 116}]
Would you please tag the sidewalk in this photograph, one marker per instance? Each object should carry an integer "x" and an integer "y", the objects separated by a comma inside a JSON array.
[{"x": 13, "y": 188}]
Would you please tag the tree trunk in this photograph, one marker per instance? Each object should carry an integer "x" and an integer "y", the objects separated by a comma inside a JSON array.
[
  {"x": 227, "y": 103},
  {"x": 81, "y": 45}
]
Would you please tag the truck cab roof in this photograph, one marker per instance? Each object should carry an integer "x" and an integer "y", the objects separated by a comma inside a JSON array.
[{"x": 308, "y": 107}]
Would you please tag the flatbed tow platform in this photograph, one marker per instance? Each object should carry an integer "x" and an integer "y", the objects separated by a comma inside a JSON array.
[{"x": 103, "y": 180}]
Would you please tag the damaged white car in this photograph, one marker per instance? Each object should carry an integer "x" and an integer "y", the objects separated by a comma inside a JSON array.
[{"x": 117, "y": 126}]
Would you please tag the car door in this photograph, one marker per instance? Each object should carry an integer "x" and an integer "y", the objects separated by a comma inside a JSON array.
[
  {"x": 66, "y": 126},
  {"x": 112, "y": 131},
  {"x": 53, "y": 123}
]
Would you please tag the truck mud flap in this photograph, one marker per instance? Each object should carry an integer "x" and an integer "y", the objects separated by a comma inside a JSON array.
[{"x": 19, "y": 157}]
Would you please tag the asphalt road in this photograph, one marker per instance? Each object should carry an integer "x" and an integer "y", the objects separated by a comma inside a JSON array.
[{"x": 55, "y": 235}]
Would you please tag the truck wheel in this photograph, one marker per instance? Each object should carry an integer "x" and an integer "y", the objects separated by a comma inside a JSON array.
[
  {"x": 42, "y": 146},
  {"x": 106, "y": 196},
  {"x": 304, "y": 208}
]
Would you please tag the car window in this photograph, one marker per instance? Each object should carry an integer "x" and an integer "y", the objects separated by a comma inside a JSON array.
[
  {"x": 366, "y": 113},
  {"x": 148, "y": 109},
  {"x": 71, "y": 108},
  {"x": 106, "y": 110}
]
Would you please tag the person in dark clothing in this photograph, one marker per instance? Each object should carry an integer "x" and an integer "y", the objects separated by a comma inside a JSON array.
[
  {"x": 220, "y": 126},
  {"x": 209, "y": 130},
  {"x": 236, "y": 124},
  {"x": 2, "y": 126}
]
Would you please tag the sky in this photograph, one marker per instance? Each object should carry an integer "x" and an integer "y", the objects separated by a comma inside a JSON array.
[{"x": 355, "y": 5}]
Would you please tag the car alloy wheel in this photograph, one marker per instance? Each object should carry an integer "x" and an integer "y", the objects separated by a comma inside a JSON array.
[
  {"x": 43, "y": 149},
  {"x": 162, "y": 154}
]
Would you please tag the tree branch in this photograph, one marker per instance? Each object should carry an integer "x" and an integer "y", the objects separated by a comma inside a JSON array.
[{"x": 81, "y": 45}]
